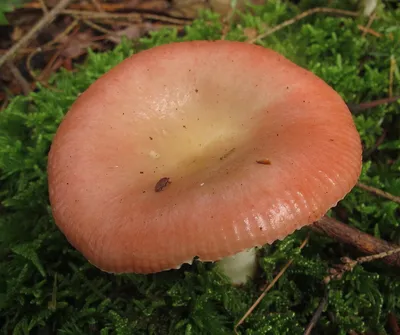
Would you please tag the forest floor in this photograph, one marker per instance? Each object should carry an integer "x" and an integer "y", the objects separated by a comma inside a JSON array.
[{"x": 339, "y": 277}]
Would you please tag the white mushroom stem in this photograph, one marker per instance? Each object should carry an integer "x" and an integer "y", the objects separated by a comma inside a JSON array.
[
  {"x": 240, "y": 267},
  {"x": 369, "y": 6}
]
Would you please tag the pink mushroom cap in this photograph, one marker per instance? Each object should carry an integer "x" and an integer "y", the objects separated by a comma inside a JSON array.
[{"x": 200, "y": 115}]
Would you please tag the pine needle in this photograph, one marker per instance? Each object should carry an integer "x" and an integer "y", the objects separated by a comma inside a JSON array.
[
  {"x": 261, "y": 297},
  {"x": 379, "y": 192},
  {"x": 302, "y": 16}
]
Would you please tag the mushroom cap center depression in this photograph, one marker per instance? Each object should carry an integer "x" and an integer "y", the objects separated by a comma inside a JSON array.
[{"x": 200, "y": 114}]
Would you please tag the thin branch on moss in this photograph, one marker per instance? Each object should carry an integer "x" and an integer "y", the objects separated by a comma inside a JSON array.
[
  {"x": 366, "y": 30},
  {"x": 337, "y": 272},
  {"x": 369, "y": 23},
  {"x": 45, "y": 21},
  {"x": 132, "y": 17},
  {"x": 358, "y": 108},
  {"x": 317, "y": 313},
  {"x": 301, "y": 16},
  {"x": 271, "y": 284},
  {"x": 379, "y": 141},
  {"x": 44, "y": 7},
  {"x": 393, "y": 65},
  {"x": 379, "y": 192},
  {"x": 366, "y": 259},
  {"x": 92, "y": 15},
  {"x": 363, "y": 242}
]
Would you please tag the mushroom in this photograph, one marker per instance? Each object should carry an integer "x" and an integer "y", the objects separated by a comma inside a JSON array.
[{"x": 248, "y": 147}]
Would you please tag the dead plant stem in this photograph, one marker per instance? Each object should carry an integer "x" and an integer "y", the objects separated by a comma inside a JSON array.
[
  {"x": 45, "y": 47},
  {"x": 46, "y": 20},
  {"x": 369, "y": 23},
  {"x": 271, "y": 284},
  {"x": 317, "y": 313},
  {"x": 26, "y": 88},
  {"x": 300, "y": 17},
  {"x": 363, "y": 242},
  {"x": 133, "y": 17},
  {"x": 379, "y": 192},
  {"x": 44, "y": 7}
]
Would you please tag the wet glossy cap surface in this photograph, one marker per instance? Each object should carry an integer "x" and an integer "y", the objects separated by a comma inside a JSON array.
[{"x": 156, "y": 162}]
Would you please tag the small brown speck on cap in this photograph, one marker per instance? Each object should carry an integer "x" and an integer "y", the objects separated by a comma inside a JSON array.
[
  {"x": 161, "y": 184},
  {"x": 263, "y": 161},
  {"x": 227, "y": 154}
]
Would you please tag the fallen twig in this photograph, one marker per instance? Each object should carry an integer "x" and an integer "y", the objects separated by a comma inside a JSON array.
[
  {"x": 43, "y": 77},
  {"x": 363, "y": 242},
  {"x": 368, "y": 26},
  {"x": 271, "y": 284},
  {"x": 348, "y": 264},
  {"x": 43, "y": 6},
  {"x": 379, "y": 141},
  {"x": 84, "y": 14},
  {"x": 132, "y": 17},
  {"x": 371, "y": 258},
  {"x": 370, "y": 31},
  {"x": 85, "y": 5},
  {"x": 379, "y": 192},
  {"x": 374, "y": 247},
  {"x": 48, "y": 45},
  {"x": 19, "y": 77},
  {"x": 317, "y": 313},
  {"x": 46, "y": 20},
  {"x": 391, "y": 74},
  {"x": 300, "y": 17},
  {"x": 357, "y": 108}
]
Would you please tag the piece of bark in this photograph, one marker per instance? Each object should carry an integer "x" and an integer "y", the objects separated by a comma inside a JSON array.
[{"x": 364, "y": 242}]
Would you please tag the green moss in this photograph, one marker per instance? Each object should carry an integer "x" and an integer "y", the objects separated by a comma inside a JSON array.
[{"x": 47, "y": 287}]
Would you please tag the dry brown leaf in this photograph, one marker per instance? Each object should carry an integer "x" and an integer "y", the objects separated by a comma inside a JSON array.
[
  {"x": 132, "y": 32},
  {"x": 77, "y": 44}
]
